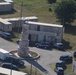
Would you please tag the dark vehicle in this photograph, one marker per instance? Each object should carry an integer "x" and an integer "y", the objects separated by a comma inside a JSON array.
[
  {"x": 59, "y": 71},
  {"x": 59, "y": 46},
  {"x": 14, "y": 60},
  {"x": 43, "y": 45},
  {"x": 6, "y": 35},
  {"x": 10, "y": 66},
  {"x": 18, "y": 40},
  {"x": 66, "y": 58},
  {"x": 61, "y": 64},
  {"x": 74, "y": 54}
]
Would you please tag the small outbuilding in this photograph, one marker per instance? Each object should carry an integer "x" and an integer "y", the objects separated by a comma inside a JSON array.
[
  {"x": 4, "y": 71},
  {"x": 4, "y": 54}
]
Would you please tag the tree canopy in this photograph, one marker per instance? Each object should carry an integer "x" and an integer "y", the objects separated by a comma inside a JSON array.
[
  {"x": 51, "y": 1},
  {"x": 65, "y": 11}
]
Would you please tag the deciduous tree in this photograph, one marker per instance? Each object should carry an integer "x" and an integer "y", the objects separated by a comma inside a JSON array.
[{"x": 65, "y": 11}]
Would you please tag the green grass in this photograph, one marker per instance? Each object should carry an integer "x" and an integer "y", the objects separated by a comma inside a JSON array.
[
  {"x": 67, "y": 71},
  {"x": 31, "y": 70},
  {"x": 37, "y": 8}
]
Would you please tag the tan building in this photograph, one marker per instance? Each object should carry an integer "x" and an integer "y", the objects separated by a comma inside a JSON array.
[
  {"x": 38, "y": 32},
  {"x": 11, "y": 23},
  {"x": 44, "y": 32}
]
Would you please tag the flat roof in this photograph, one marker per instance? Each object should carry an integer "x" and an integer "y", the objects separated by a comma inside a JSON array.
[
  {"x": 43, "y": 24},
  {"x": 4, "y": 21},
  {"x": 8, "y": 0},
  {"x": 23, "y": 18},
  {"x": 8, "y": 71},
  {"x": 3, "y": 51},
  {"x": 4, "y": 3},
  {"x": 32, "y": 17}
]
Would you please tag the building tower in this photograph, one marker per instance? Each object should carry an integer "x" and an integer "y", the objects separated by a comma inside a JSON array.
[{"x": 23, "y": 50}]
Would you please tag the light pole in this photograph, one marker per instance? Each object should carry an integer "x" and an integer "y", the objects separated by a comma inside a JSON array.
[
  {"x": 20, "y": 20},
  {"x": 36, "y": 68},
  {"x": 31, "y": 70},
  {"x": 11, "y": 68}
]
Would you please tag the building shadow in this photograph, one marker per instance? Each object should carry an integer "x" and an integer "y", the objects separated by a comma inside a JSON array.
[{"x": 8, "y": 12}]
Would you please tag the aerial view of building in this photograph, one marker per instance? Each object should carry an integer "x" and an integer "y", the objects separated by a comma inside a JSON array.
[{"x": 37, "y": 37}]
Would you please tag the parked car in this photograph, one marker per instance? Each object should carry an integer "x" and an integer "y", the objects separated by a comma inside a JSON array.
[
  {"x": 59, "y": 71},
  {"x": 6, "y": 35},
  {"x": 43, "y": 45},
  {"x": 14, "y": 60},
  {"x": 60, "y": 64},
  {"x": 74, "y": 54},
  {"x": 17, "y": 41},
  {"x": 66, "y": 58},
  {"x": 10, "y": 66},
  {"x": 59, "y": 46}
]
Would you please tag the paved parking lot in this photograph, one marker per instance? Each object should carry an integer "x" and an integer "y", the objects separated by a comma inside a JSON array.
[
  {"x": 8, "y": 45},
  {"x": 47, "y": 57}
]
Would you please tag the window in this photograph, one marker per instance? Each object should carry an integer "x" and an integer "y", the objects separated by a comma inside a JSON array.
[{"x": 38, "y": 28}]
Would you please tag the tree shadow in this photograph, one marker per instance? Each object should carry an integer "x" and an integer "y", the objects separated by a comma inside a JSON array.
[
  {"x": 67, "y": 45},
  {"x": 70, "y": 29}
]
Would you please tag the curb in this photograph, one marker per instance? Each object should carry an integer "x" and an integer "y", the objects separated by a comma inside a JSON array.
[{"x": 33, "y": 58}]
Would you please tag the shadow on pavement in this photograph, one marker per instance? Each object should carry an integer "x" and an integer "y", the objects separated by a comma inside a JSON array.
[{"x": 37, "y": 65}]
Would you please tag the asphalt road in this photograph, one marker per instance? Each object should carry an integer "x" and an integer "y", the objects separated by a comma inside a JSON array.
[
  {"x": 47, "y": 57},
  {"x": 7, "y": 45}
]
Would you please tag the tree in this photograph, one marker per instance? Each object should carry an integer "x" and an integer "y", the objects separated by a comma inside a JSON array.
[
  {"x": 65, "y": 11},
  {"x": 51, "y": 1}
]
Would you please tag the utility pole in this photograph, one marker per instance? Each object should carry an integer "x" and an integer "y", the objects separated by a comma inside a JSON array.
[
  {"x": 31, "y": 69},
  {"x": 20, "y": 20},
  {"x": 11, "y": 68}
]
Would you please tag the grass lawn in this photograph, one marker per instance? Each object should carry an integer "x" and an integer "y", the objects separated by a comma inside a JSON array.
[
  {"x": 68, "y": 69},
  {"x": 31, "y": 70}
]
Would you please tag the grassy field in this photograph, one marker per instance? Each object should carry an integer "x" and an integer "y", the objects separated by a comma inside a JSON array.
[{"x": 40, "y": 8}]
